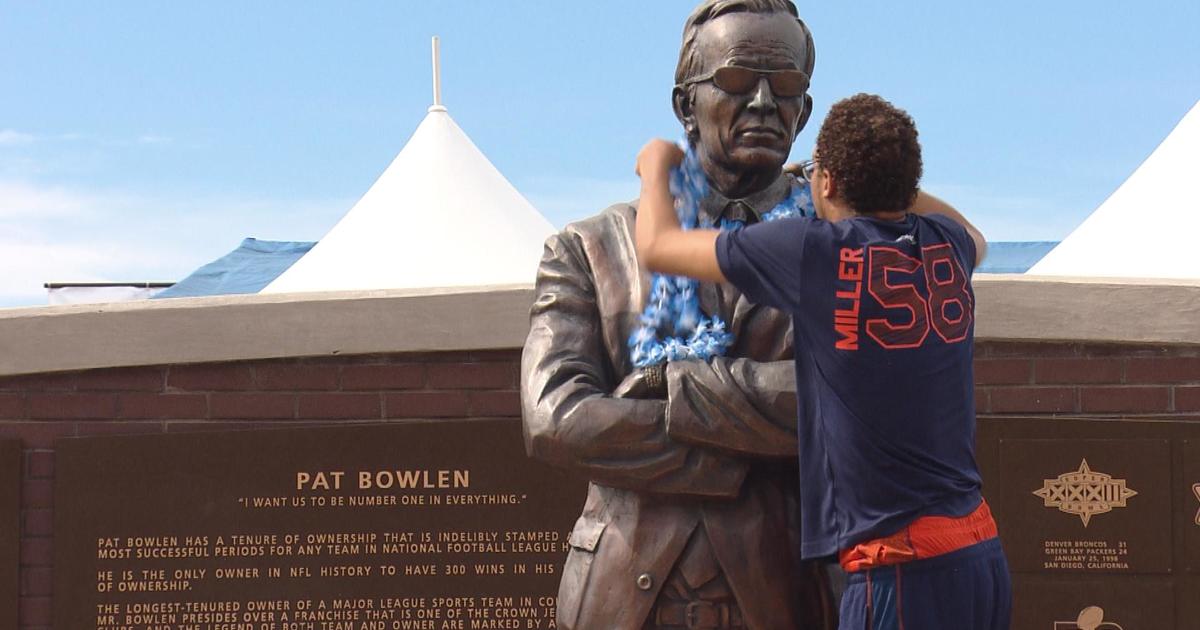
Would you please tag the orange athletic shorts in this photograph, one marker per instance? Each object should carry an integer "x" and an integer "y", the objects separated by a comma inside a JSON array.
[{"x": 925, "y": 537}]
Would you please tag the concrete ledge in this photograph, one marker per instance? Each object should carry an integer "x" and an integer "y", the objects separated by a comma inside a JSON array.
[
  {"x": 1011, "y": 307},
  {"x": 245, "y": 327},
  {"x": 242, "y": 327}
]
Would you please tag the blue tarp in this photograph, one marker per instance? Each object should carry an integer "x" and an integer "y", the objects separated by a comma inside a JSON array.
[
  {"x": 1014, "y": 256},
  {"x": 247, "y": 269},
  {"x": 254, "y": 264}
]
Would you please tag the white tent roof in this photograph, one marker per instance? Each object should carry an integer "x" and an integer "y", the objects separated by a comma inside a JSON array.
[
  {"x": 440, "y": 215},
  {"x": 1148, "y": 227}
]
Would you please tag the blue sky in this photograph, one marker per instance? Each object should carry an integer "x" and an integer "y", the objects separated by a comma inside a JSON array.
[{"x": 139, "y": 140}]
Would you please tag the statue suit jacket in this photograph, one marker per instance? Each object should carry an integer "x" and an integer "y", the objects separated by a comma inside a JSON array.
[{"x": 719, "y": 453}]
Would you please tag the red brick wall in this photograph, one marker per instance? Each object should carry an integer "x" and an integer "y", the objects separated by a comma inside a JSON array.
[
  {"x": 1013, "y": 378},
  {"x": 1087, "y": 379}
]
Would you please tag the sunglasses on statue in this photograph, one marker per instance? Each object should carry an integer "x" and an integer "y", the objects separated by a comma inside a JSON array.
[{"x": 739, "y": 80}]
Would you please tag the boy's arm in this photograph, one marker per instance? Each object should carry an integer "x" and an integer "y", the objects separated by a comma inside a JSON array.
[
  {"x": 662, "y": 245},
  {"x": 928, "y": 204}
]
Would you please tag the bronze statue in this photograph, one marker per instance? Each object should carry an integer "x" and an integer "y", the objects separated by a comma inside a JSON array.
[{"x": 692, "y": 517}]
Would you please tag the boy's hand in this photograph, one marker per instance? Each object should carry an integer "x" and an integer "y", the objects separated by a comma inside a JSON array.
[
  {"x": 657, "y": 158},
  {"x": 662, "y": 245}
]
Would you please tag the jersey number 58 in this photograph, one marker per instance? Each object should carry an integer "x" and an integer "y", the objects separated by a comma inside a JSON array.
[{"x": 941, "y": 302}]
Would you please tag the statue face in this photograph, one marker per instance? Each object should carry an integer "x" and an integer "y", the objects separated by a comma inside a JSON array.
[{"x": 752, "y": 131}]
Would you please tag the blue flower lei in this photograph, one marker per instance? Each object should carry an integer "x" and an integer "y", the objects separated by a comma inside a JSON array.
[{"x": 673, "y": 327}]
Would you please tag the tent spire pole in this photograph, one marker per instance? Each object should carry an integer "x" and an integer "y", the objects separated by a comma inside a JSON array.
[{"x": 437, "y": 77}]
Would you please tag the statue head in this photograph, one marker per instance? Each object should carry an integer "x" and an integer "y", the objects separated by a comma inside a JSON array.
[{"x": 741, "y": 88}]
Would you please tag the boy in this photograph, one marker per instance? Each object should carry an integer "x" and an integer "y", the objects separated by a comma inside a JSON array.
[{"x": 883, "y": 315}]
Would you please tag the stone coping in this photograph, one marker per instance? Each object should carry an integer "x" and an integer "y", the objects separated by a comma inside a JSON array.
[{"x": 1010, "y": 307}]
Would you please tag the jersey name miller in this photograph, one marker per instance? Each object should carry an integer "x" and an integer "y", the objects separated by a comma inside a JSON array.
[
  {"x": 913, "y": 296},
  {"x": 845, "y": 320}
]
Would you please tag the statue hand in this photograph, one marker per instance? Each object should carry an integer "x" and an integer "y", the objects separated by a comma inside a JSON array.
[{"x": 645, "y": 383}]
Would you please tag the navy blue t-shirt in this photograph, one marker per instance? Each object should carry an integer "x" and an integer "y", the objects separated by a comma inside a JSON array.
[{"x": 883, "y": 314}]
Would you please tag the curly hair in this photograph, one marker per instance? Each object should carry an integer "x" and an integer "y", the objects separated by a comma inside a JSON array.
[{"x": 870, "y": 147}]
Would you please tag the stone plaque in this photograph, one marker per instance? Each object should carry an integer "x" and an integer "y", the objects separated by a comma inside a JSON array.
[
  {"x": 1188, "y": 614},
  {"x": 10, "y": 530},
  {"x": 987, "y": 456},
  {"x": 1190, "y": 496},
  {"x": 413, "y": 526},
  {"x": 1095, "y": 506},
  {"x": 1124, "y": 603}
]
